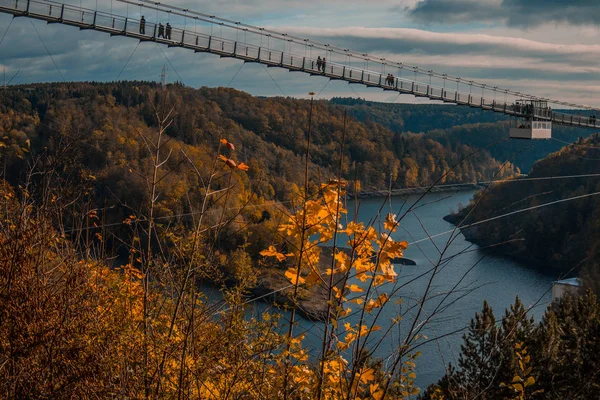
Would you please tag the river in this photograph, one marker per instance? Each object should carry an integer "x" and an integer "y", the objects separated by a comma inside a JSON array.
[{"x": 472, "y": 275}]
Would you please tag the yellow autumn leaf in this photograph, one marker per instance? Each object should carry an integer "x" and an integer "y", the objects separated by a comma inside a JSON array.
[
  {"x": 346, "y": 312},
  {"x": 294, "y": 277},
  {"x": 518, "y": 387},
  {"x": 367, "y": 376},
  {"x": 313, "y": 277},
  {"x": 378, "y": 395},
  {"x": 379, "y": 302},
  {"x": 272, "y": 252},
  {"x": 390, "y": 223},
  {"x": 530, "y": 381},
  {"x": 355, "y": 289}
]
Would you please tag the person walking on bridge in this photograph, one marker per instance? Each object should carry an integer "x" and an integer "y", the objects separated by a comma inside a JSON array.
[
  {"x": 143, "y": 25},
  {"x": 319, "y": 63},
  {"x": 168, "y": 36},
  {"x": 324, "y": 64},
  {"x": 161, "y": 31},
  {"x": 390, "y": 80}
]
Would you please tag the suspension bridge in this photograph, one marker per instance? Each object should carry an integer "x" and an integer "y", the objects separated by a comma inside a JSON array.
[{"x": 227, "y": 38}]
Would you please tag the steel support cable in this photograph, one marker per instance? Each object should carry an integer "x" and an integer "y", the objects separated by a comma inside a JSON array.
[
  {"x": 330, "y": 48},
  {"x": 453, "y": 230},
  {"x": 323, "y": 88},
  {"x": 128, "y": 60},
  {"x": 6, "y": 31},
  {"x": 327, "y": 47},
  {"x": 508, "y": 215},
  {"x": 48, "y": 51},
  {"x": 355, "y": 92},
  {"x": 274, "y": 81},
  {"x": 169, "y": 61},
  {"x": 235, "y": 75},
  {"x": 582, "y": 146},
  {"x": 447, "y": 232},
  {"x": 541, "y": 178},
  {"x": 575, "y": 144},
  {"x": 299, "y": 40},
  {"x": 168, "y": 217}
]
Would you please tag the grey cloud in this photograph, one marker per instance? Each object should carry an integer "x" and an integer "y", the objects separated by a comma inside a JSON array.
[
  {"x": 479, "y": 57},
  {"x": 93, "y": 56},
  {"x": 521, "y": 13},
  {"x": 455, "y": 11},
  {"x": 536, "y": 12},
  {"x": 89, "y": 55}
]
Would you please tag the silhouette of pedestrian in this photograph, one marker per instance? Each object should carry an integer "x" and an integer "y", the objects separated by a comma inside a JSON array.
[
  {"x": 161, "y": 30},
  {"x": 319, "y": 63},
  {"x": 143, "y": 25},
  {"x": 324, "y": 64},
  {"x": 168, "y": 31}
]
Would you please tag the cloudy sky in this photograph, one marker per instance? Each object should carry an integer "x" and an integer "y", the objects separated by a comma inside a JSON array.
[{"x": 549, "y": 48}]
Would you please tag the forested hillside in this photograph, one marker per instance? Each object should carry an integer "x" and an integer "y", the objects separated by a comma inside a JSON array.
[
  {"x": 93, "y": 138},
  {"x": 561, "y": 238},
  {"x": 452, "y": 125},
  {"x": 117, "y": 201},
  {"x": 271, "y": 133}
]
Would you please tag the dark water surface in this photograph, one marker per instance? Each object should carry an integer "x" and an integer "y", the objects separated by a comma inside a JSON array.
[{"x": 471, "y": 275}]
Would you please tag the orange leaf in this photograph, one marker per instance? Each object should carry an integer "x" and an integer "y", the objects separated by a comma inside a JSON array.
[
  {"x": 355, "y": 288},
  {"x": 243, "y": 167},
  {"x": 312, "y": 277},
  {"x": 367, "y": 376},
  {"x": 390, "y": 223},
  {"x": 225, "y": 142},
  {"x": 293, "y": 276},
  {"x": 270, "y": 252}
]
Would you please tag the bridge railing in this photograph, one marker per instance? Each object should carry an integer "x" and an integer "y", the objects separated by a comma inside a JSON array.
[
  {"x": 225, "y": 47},
  {"x": 118, "y": 25}
]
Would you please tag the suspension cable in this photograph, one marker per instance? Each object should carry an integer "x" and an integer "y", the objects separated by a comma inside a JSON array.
[{"x": 507, "y": 215}]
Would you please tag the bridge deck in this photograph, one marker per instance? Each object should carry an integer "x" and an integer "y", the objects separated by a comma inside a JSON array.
[{"x": 116, "y": 25}]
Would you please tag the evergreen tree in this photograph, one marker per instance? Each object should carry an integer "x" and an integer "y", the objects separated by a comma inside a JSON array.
[
  {"x": 563, "y": 350},
  {"x": 568, "y": 349}
]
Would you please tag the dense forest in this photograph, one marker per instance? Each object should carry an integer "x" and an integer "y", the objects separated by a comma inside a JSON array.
[
  {"x": 452, "y": 125},
  {"x": 118, "y": 201},
  {"x": 562, "y": 238},
  {"x": 271, "y": 132}
]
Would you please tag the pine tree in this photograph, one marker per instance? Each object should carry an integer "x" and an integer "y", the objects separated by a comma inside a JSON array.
[
  {"x": 568, "y": 355},
  {"x": 480, "y": 355}
]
